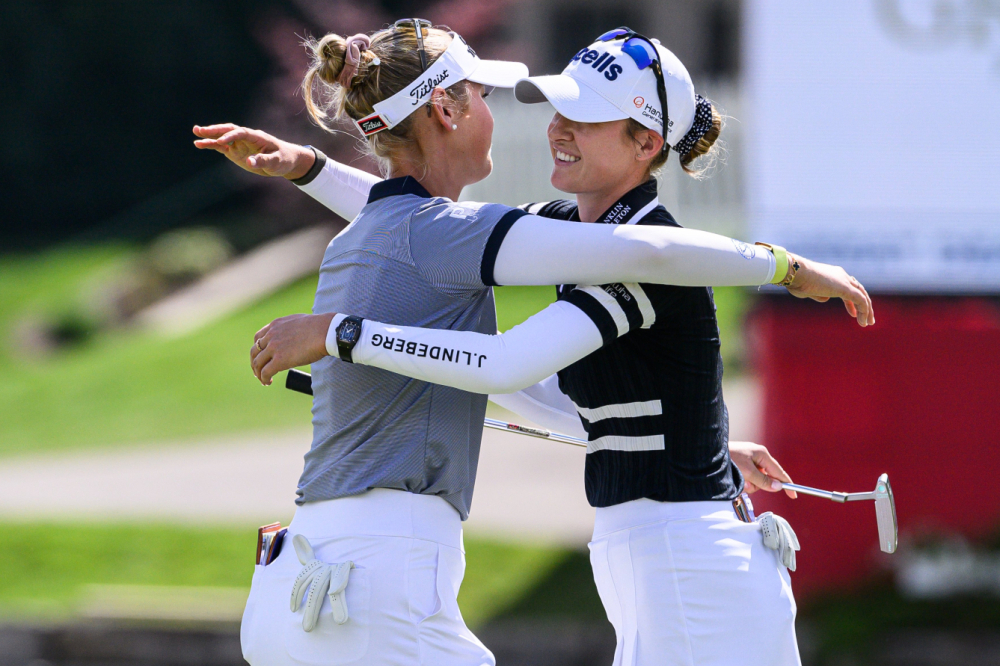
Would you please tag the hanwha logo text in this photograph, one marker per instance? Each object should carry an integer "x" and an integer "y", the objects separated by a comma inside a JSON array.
[{"x": 638, "y": 101}]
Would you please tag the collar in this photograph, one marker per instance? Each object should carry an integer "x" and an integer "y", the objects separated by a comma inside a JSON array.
[
  {"x": 397, "y": 186},
  {"x": 633, "y": 206}
]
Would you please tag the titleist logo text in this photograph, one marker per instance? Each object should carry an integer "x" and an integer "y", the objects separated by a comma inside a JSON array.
[{"x": 424, "y": 88}]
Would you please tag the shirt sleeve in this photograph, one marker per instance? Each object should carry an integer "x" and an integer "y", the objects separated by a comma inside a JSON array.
[
  {"x": 616, "y": 309},
  {"x": 455, "y": 245},
  {"x": 341, "y": 188}
]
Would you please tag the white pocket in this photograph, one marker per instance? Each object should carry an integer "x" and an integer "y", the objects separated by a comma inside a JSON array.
[
  {"x": 329, "y": 643},
  {"x": 605, "y": 583}
]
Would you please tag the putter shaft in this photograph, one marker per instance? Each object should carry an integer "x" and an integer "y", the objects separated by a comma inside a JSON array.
[
  {"x": 534, "y": 432},
  {"x": 827, "y": 494}
]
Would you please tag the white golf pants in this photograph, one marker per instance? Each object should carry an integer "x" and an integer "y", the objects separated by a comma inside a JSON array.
[
  {"x": 689, "y": 584},
  {"x": 401, "y": 596}
]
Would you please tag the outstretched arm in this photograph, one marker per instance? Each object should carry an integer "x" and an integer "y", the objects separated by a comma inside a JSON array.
[
  {"x": 536, "y": 250},
  {"x": 341, "y": 188}
]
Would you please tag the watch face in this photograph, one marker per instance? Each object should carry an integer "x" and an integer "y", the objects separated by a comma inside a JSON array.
[{"x": 349, "y": 332}]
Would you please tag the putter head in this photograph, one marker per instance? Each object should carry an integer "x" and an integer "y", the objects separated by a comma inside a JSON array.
[{"x": 885, "y": 515}]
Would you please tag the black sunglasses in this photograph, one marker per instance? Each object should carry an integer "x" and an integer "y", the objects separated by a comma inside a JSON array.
[{"x": 417, "y": 25}]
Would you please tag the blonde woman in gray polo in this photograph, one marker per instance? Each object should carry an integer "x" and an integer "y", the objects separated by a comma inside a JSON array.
[{"x": 377, "y": 560}]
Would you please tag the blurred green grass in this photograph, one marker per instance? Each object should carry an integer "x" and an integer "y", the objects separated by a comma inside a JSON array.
[
  {"x": 47, "y": 565},
  {"x": 125, "y": 386}
]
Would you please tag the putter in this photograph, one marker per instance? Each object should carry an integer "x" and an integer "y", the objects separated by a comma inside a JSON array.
[{"x": 885, "y": 505}]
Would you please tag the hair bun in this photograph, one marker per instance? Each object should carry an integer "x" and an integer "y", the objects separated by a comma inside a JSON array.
[{"x": 330, "y": 55}]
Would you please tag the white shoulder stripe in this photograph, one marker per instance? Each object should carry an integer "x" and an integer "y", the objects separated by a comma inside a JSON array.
[
  {"x": 534, "y": 208},
  {"x": 644, "y": 210},
  {"x": 611, "y": 305},
  {"x": 645, "y": 306},
  {"x": 619, "y": 443},
  {"x": 625, "y": 410}
]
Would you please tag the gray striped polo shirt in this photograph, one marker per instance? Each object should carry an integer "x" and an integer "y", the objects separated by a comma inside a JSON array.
[{"x": 410, "y": 259}]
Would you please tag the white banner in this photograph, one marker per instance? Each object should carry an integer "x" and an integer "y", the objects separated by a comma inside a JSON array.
[{"x": 873, "y": 137}]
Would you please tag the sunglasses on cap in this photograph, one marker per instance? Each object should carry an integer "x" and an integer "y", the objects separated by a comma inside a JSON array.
[
  {"x": 643, "y": 52},
  {"x": 418, "y": 26}
]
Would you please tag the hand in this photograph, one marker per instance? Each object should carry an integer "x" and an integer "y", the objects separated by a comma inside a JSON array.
[
  {"x": 288, "y": 342},
  {"x": 760, "y": 470},
  {"x": 256, "y": 151},
  {"x": 821, "y": 282}
]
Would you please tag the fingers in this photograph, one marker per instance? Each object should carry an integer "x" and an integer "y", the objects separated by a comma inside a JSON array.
[
  {"x": 257, "y": 347},
  {"x": 764, "y": 461},
  {"x": 268, "y": 372},
  {"x": 213, "y": 131},
  {"x": 861, "y": 302},
  {"x": 211, "y": 144},
  {"x": 258, "y": 363},
  {"x": 867, "y": 310},
  {"x": 265, "y": 161},
  {"x": 757, "y": 480},
  {"x": 238, "y": 134}
]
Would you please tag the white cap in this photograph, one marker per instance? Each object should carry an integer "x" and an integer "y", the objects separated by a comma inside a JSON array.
[
  {"x": 457, "y": 63},
  {"x": 602, "y": 83}
]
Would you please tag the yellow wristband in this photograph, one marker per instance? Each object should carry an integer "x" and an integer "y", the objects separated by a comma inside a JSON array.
[{"x": 780, "y": 261}]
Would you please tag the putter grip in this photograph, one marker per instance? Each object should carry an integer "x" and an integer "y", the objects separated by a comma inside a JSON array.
[{"x": 299, "y": 381}]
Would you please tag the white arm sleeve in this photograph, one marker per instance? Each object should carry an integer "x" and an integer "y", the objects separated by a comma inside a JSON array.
[
  {"x": 557, "y": 336},
  {"x": 341, "y": 188},
  {"x": 544, "y": 404},
  {"x": 542, "y": 251}
]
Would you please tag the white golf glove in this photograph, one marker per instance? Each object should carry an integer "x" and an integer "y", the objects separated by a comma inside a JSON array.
[
  {"x": 320, "y": 579},
  {"x": 779, "y": 536}
]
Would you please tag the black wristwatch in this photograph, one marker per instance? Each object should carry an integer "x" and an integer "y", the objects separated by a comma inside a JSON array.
[{"x": 348, "y": 334}]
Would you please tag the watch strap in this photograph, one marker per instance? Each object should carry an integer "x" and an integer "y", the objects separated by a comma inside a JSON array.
[
  {"x": 345, "y": 345},
  {"x": 780, "y": 261},
  {"x": 331, "y": 334}
]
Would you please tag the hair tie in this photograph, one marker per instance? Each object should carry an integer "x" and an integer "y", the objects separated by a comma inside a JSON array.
[
  {"x": 352, "y": 57},
  {"x": 702, "y": 123}
]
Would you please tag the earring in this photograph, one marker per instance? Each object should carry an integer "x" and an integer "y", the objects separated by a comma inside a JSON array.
[{"x": 454, "y": 127}]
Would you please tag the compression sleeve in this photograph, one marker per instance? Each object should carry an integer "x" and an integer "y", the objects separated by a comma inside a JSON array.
[
  {"x": 541, "y": 251},
  {"x": 557, "y": 336},
  {"x": 341, "y": 188},
  {"x": 545, "y": 404}
]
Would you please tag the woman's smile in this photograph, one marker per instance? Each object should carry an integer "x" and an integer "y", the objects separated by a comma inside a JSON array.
[{"x": 564, "y": 158}]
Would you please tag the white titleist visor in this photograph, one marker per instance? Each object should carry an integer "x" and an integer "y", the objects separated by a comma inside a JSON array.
[
  {"x": 601, "y": 83},
  {"x": 458, "y": 63}
]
